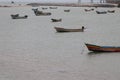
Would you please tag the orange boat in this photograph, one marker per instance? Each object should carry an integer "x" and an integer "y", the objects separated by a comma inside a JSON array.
[{"x": 97, "y": 48}]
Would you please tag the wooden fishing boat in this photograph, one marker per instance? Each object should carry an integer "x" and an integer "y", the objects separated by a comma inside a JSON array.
[
  {"x": 111, "y": 11},
  {"x": 56, "y": 20},
  {"x": 101, "y": 12},
  {"x": 97, "y": 48},
  {"x": 87, "y": 10},
  {"x": 68, "y": 10},
  {"x": 41, "y": 13},
  {"x": 16, "y": 16},
  {"x": 53, "y": 7},
  {"x": 43, "y": 8},
  {"x": 58, "y": 29}
]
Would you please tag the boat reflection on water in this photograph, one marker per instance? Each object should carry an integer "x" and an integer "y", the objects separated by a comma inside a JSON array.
[{"x": 99, "y": 53}]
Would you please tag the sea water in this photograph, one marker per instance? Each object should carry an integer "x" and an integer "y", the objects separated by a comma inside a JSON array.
[{"x": 31, "y": 49}]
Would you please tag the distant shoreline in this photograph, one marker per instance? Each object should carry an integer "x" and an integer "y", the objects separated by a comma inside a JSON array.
[
  {"x": 61, "y": 4},
  {"x": 73, "y": 4}
]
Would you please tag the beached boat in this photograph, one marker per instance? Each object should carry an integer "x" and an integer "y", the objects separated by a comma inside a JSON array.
[
  {"x": 97, "y": 48},
  {"x": 16, "y": 16},
  {"x": 101, "y": 12},
  {"x": 56, "y": 20},
  {"x": 59, "y": 29}
]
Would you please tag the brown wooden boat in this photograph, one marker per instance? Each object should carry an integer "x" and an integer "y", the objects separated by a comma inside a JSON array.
[
  {"x": 58, "y": 29},
  {"x": 97, "y": 48}
]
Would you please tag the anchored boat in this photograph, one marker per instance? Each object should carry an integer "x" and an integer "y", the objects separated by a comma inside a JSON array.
[{"x": 97, "y": 48}]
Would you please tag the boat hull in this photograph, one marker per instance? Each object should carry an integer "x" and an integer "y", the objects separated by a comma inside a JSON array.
[
  {"x": 41, "y": 13},
  {"x": 68, "y": 30},
  {"x": 101, "y": 12},
  {"x": 56, "y": 20},
  {"x": 19, "y": 17},
  {"x": 97, "y": 48}
]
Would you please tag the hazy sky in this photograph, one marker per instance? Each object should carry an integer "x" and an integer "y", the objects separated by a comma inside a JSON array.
[{"x": 49, "y": 0}]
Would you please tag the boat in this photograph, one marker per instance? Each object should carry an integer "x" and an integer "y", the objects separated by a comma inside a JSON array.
[
  {"x": 56, "y": 20},
  {"x": 87, "y": 10},
  {"x": 101, "y": 12},
  {"x": 59, "y": 29},
  {"x": 96, "y": 48},
  {"x": 41, "y": 13},
  {"x": 111, "y": 11},
  {"x": 68, "y": 10},
  {"x": 53, "y": 7},
  {"x": 16, "y": 16},
  {"x": 43, "y": 8}
]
